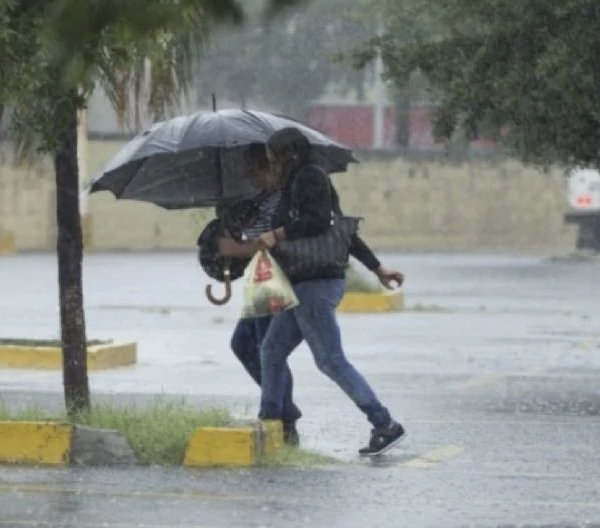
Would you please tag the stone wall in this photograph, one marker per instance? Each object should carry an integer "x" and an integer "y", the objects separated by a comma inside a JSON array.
[{"x": 407, "y": 206}]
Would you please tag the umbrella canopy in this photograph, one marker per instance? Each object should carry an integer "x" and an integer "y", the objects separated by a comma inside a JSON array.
[{"x": 197, "y": 160}]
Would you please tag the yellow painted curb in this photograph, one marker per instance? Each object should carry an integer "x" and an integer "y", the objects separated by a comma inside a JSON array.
[
  {"x": 271, "y": 436},
  {"x": 99, "y": 357},
  {"x": 372, "y": 302},
  {"x": 223, "y": 446},
  {"x": 8, "y": 244},
  {"x": 113, "y": 355},
  {"x": 35, "y": 443},
  {"x": 233, "y": 446}
]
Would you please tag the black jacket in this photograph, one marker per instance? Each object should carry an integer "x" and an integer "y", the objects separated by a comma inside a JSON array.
[{"x": 307, "y": 200}]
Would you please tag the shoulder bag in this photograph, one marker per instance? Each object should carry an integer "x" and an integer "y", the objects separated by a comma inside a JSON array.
[{"x": 320, "y": 256}]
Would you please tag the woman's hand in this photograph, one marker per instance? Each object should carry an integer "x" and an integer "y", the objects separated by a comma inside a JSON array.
[
  {"x": 272, "y": 238},
  {"x": 268, "y": 239},
  {"x": 388, "y": 276}
]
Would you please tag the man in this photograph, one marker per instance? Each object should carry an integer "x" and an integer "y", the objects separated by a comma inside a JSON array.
[
  {"x": 249, "y": 334},
  {"x": 246, "y": 221}
]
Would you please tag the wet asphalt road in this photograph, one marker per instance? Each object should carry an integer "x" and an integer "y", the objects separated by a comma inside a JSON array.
[{"x": 494, "y": 370}]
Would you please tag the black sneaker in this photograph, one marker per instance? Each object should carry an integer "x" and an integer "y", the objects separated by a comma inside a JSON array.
[
  {"x": 290, "y": 434},
  {"x": 382, "y": 440}
]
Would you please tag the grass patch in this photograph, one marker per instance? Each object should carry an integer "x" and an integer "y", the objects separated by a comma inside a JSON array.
[
  {"x": 361, "y": 282},
  {"x": 294, "y": 457},
  {"x": 46, "y": 343},
  {"x": 158, "y": 433}
]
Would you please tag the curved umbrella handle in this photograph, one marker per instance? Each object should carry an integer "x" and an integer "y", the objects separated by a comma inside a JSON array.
[{"x": 227, "y": 297}]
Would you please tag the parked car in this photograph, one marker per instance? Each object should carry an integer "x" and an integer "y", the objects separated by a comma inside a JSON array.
[{"x": 583, "y": 197}]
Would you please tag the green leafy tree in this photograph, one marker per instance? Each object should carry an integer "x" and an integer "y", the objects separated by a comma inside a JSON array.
[
  {"x": 52, "y": 55},
  {"x": 522, "y": 71}
]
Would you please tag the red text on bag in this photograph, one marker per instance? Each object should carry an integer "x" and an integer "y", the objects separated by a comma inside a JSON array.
[
  {"x": 275, "y": 305},
  {"x": 264, "y": 269}
]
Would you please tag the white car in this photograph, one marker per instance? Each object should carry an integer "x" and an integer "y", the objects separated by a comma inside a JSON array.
[
  {"x": 583, "y": 196},
  {"x": 584, "y": 190}
]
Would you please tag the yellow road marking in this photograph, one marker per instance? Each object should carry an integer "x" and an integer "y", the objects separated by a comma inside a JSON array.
[
  {"x": 433, "y": 458},
  {"x": 482, "y": 381},
  {"x": 589, "y": 344},
  {"x": 51, "y": 524},
  {"x": 47, "y": 489}
]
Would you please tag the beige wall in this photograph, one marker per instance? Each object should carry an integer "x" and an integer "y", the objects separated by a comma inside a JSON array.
[
  {"x": 27, "y": 202},
  {"x": 408, "y": 206}
]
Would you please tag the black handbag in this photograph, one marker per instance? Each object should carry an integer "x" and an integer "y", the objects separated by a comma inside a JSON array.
[{"x": 319, "y": 257}]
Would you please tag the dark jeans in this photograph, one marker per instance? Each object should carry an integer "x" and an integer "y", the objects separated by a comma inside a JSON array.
[
  {"x": 314, "y": 320},
  {"x": 245, "y": 343}
]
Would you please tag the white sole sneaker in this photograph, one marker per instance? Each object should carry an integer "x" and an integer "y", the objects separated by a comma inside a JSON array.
[{"x": 387, "y": 448}]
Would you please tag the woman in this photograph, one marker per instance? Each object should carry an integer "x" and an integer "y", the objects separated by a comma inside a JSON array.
[{"x": 305, "y": 209}]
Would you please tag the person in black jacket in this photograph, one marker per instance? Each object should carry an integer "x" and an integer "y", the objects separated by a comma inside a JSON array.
[
  {"x": 305, "y": 209},
  {"x": 248, "y": 334}
]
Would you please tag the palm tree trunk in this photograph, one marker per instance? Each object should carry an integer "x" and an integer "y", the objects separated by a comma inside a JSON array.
[{"x": 70, "y": 259}]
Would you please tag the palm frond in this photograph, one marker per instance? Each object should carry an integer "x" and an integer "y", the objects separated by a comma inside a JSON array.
[{"x": 141, "y": 52}]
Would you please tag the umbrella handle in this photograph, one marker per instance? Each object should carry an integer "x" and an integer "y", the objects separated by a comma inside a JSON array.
[{"x": 227, "y": 297}]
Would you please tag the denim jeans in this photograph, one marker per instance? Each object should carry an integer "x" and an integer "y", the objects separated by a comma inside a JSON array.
[
  {"x": 314, "y": 320},
  {"x": 245, "y": 343}
]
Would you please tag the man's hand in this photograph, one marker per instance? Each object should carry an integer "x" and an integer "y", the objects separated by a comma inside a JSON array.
[
  {"x": 268, "y": 239},
  {"x": 228, "y": 247},
  {"x": 387, "y": 277}
]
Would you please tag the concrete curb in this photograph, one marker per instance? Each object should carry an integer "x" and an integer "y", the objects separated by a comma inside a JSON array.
[
  {"x": 39, "y": 443},
  {"x": 353, "y": 302},
  {"x": 8, "y": 244},
  {"x": 100, "y": 448},
  {"x": 242, "y": 446},
  {"x": 99, "y": 357},
  {"x": 51, "y": 443}
]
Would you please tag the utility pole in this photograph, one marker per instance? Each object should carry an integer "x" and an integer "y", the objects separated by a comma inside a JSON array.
[
  {"x": 379, "y": 95},
  {"x": 82, "y": 163},
  {"x": 82, "y": 160}
]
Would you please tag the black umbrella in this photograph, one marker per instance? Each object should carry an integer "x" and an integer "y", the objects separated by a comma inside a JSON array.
[{"x": 196, "y": 160}]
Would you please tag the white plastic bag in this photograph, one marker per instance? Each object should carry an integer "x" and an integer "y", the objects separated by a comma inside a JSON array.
[{"x": 267, "y": 290}]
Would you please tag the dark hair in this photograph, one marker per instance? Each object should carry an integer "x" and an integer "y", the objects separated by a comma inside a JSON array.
[
  {"x": 256, "y": 154},
  {"x": 291, "y": 147}
]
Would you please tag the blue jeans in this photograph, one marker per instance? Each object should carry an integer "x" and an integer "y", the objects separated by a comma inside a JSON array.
[
  {"x": 245, "y": 343},
  {"x": 314, "y": 320}
]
